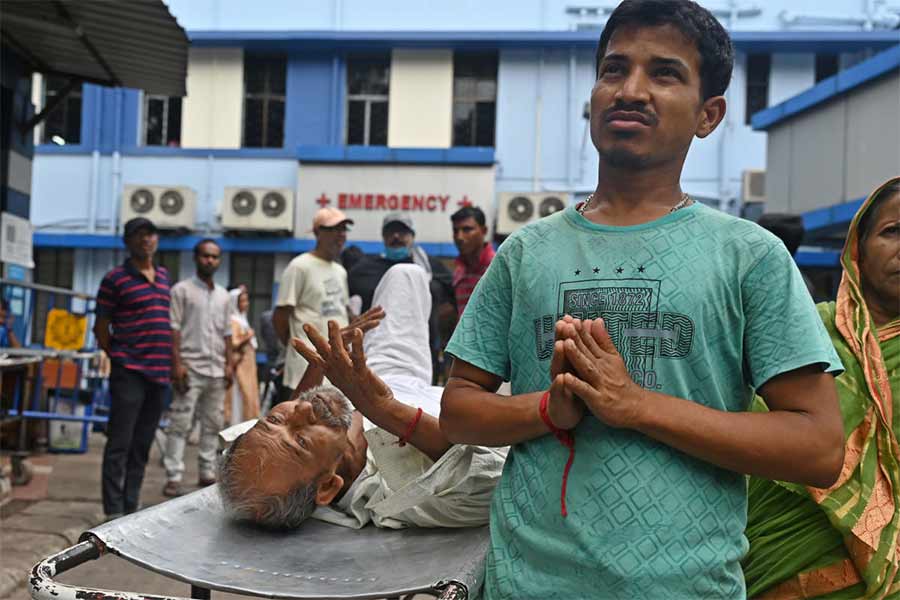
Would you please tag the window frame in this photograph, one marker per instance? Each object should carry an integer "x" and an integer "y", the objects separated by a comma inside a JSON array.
[
  {"x": 260, "y": 300},
  {"x": 757, "y": 84},
  {"x": 165, "y": 120},
  {"x": 368, "y": 98},
  {"x": 75, "y": 92},
  {"x": 476, "y": 99},
  {"x": 266, "y": 96}
]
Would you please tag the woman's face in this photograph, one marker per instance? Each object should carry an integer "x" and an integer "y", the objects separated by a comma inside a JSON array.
[
  {"x": 879, "y": 260},
  {"x": 243, "y": 302}
]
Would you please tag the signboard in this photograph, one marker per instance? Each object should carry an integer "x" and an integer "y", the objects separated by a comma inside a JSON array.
[
  {"x": 64, "y": 331},
  {"x": 15, "y": 240},
  {"x": 367, "y": 193}
]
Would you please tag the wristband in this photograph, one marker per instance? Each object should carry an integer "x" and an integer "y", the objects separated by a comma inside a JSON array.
[
  {"x": 567, "y": 438},
  {"x": 404, "y": 439}
]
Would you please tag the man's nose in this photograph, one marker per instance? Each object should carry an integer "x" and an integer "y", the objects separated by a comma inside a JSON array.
[
  {"x": 304, "y": 413},
  {"x": 634, "y": 88}
]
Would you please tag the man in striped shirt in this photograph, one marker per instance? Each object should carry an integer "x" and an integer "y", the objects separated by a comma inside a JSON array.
[
  {"x": 475, "y": 252},
  {"x": 132, "y": 327}
]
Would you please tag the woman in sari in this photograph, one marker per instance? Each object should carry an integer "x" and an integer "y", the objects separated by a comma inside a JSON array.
[
  {"x": 242, "y": 396},
  {"x": 842, "y": 543}
]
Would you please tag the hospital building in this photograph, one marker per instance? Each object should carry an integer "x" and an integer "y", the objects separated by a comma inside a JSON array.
[{"x": 423, "y": 106}]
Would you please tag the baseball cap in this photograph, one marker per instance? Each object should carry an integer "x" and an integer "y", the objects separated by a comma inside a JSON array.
[
  {"x": 330, "y": 217},
  {"x": 136, "y": 224},
  {"x": 398, "y": 217}
]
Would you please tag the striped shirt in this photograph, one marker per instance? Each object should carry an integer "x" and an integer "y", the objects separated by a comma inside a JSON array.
[
  {"x": 138, "y": 309},
  {"x": 465, "y": 280}
]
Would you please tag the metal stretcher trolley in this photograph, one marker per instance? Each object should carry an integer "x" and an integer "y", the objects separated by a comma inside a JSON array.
[{"x": 192, "y": 540}]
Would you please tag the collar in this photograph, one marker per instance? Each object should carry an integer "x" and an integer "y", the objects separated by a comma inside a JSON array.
[
  {"x": 203, "y": 285},
  {"x": 129, "y": 266},
  {"x": 484, "y": 258}
]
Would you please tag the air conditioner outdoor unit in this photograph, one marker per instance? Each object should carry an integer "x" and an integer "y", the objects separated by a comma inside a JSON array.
[
  {"x": 258, "y": 209},
  {"x": 753, "y": 187},
  {"x": 515, "y": 210},
  {"x": 169, "y": 207}
]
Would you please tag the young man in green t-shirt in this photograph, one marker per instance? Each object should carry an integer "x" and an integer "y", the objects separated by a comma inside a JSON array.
[{"x": 643, "y": 322}]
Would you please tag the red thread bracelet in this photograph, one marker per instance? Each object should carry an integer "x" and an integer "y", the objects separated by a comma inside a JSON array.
[
  {"x": 567, "y": 438},
  {"x": 409, "y": 429}
]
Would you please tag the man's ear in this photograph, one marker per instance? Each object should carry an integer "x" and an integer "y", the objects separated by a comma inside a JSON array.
[
  {"x": 711, "y": 114},
  {"x": 327, "y": 488}
]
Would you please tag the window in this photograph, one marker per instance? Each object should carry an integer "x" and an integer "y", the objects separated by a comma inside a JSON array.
[
  {"x": 367, "y": 100},
  {"x": 826, "y": 66},
  {"x": 474, "y": 99},
  {"x": 63, "y": 124},
  {"x": 171, "y": 260},
  {"x": 162, "y": 120},
  {"x": 264, "y": 92},
  {"x": 52, "y": 266},
  {"x": 758, "y": 67},
  {"x": 257, "y": 273}
]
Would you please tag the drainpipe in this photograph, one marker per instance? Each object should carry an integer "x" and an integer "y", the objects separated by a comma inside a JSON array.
[
  {"x": 570, "y": 123},
  {"x": 94, "y": 194},
  {"x": 538, "y": 110},
  {"x": 728, "y": 127}
]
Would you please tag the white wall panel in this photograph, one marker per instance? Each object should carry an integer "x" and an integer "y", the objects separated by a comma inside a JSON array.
[
  {"x": 421, "y": 99},
  {"x": 212, "y": 116}
]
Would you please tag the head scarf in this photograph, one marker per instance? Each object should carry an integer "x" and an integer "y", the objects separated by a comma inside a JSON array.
[
  {"x": 240, "y": 317},
  {"x": 812, "y": 542}
]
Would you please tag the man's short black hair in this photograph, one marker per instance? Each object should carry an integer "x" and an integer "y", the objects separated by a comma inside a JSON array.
[
  {"x": 200, "y": 244},
  {"x": 468, "y": 211},
  {"x": 694, "y": 21}
]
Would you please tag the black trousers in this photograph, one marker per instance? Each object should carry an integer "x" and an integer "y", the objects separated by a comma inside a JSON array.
[{"x": 134, "y": 413}]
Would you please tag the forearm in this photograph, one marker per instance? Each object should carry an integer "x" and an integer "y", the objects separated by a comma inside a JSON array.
[
  {"x": 281, "y": 325},
  {"x": 396, "y": 417},
  {"x": 782, "y": 445},
  {"x": 101, "y": 333},
  {"x": 471, "y": 414},
  {"x": 176, "y": 348}
]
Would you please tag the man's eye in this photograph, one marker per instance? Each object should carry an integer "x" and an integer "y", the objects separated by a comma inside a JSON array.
[
  {"x": 668, "y": 72},
  {"x": 302, "y": 441},
  {"x": 611, "y": 69},
  {"x": 273, "y": 419}
]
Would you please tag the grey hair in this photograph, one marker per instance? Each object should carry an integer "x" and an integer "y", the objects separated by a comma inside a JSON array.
[{"x": 243, "y": 502}]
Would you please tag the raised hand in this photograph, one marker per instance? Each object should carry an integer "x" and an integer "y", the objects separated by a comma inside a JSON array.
[
  {"x": 365, "y": 322},
  {"x": 600, "y": 377},
  {"x": 345, "y": 370}
]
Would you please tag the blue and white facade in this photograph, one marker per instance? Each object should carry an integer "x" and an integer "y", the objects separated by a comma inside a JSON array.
[{"x": 400, "y": 139}]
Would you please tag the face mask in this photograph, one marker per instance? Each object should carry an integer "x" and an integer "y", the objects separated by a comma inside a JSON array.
[{"x": 396, "y": 254}]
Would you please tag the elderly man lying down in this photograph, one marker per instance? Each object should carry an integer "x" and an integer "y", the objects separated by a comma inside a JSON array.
[{"x": 387, "y": 461}]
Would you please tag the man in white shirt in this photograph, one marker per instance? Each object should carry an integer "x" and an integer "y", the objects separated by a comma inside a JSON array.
[
  {"x": 313, "y": 290},
  {"x": 200, "y": 313},
  {"x": 315, "y": 456}
]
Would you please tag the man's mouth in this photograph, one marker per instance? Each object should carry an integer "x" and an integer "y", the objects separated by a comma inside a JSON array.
[{"x": 629, "y": 120}]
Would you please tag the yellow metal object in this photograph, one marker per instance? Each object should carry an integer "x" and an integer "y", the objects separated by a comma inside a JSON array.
[{"x": 65, "y": 331}]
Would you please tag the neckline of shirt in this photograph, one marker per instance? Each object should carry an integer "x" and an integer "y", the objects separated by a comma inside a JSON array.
[{"x": 580, "y": 221}]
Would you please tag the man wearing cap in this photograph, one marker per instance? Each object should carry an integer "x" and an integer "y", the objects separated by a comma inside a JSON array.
[
  {"x": 313, "y": 289},
  {"x": 132, "y": 327},
  {"x": 399, "y": 236}
]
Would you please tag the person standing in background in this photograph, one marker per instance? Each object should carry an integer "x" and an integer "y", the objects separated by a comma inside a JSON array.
[
  {"x": 475, "y": 252},
  {"x": 242, "y": 399},
  {"x": 202, "y": 366},
  {"x": 313, "y": 289},
  {"x": 132, "y": 327}
]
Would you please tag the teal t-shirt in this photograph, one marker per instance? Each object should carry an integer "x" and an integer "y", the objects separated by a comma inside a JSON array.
[{"x": 702, "y": 306}]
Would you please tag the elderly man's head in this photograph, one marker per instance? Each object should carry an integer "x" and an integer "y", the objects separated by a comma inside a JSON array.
[{"x": 280, "y": 470}]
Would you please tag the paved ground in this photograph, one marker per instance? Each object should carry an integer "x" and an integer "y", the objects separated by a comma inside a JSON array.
[{"x": 61, "y": 502}]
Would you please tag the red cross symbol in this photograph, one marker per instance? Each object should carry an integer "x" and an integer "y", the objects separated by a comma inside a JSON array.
[
  {"x": 465, "y": 201},
  {"x": 323, "y": 200}
]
